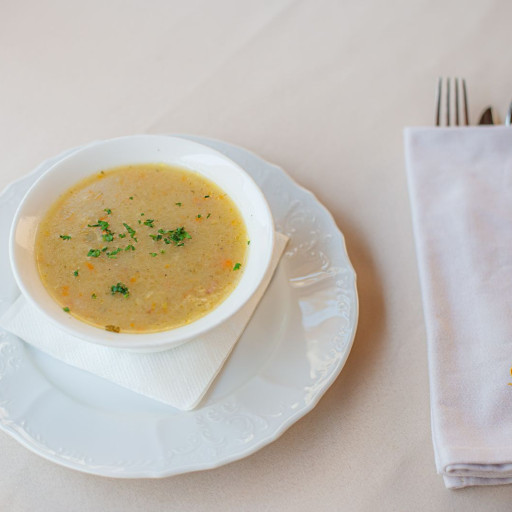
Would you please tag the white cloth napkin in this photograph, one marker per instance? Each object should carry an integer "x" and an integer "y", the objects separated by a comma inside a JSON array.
[
  {"x": 179, "y": 377},
  {"x": 460, "y": 184}
]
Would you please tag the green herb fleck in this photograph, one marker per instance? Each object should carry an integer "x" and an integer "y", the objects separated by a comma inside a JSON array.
[
  {"x": 75, "y": 273},
  {"x": 93, "y": 253},
  {"x": 112, "y": 254},
  {"x": 66, "y": 309},
  {"x": 248, "y": 242},
  {"x": 129, "y": 248},
  {"x": 131, "y": 198},
  {"x": 142, "y": 215},
  {"x": 162, "y": 252},
  {"x": 199, "y": 216},
  {"x": 237, "y": 266},
  {"x": 65, "y": 237},
  {"x": 103, "y": 224},
  {"x": 206, "y": 197},
  {"x": 104, "y": 249},
  {"x": 178, "y": 204},
  {"x": 121, "y": 235},
  {"x": 107, "y": 236},
  {"x": 112, "y": 328},
  {"x": 149, "y": 222},
  {"x": 153, "y": 254},
  {"x": 208, "y": 216},
  {"x": 120, "y": 288},
  {"x": 108, "y": 210},
  {"x": 176, "y": 236},
  {"x": 156, "y": 237},
  {"x": 130, "y": 231},
  {"x": 93, "y": 296}
]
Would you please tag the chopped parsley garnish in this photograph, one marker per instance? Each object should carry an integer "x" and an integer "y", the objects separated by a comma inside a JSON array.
[
  {"x": 107, "y": 235},
  {"x": 103, "y": 224},
  {"x": 112, "y": 328},
  {"x": 176, "y": 236},
  {"x": 65, "y": 237},
  {"x": 162, "y": 252},
  {"x": 208, "y": 216},
  {"x": 237, "y": 266},
  {"x": 131, "y": 198},
  {"x": 142, "y": 215},
  {"x": 157, "y": 237},
  {"x": 140, "y": 222},
  {"x": 199, "y": 216},
  {"x": 66, "y": 309},
  {"x": 149, "y": 222},
  {"x": 112, "y": 254},
  {"x": 104, "y": 249},
  {"x": 178, "y": 204},
  {"x": 206, "y": 197},
  {"x": 248, "y": 242},
  {"x": 129, "y": 248},
  {"x": 121, "y": 235},
  {"x": 153, "y": 254},
  {"x": 75, "y": 273},
  {"x": 93, "y": 253},
  {"x": 108, "y": 210},
  {"x": 120, "y": 288},
  {"x": 130, "y": 231},
  {"x": 93, "y": 296}
]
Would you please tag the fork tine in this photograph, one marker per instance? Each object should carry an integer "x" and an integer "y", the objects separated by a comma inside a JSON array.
[
  {"x": 465, "y": 100},
  {"x": 460, "y": 99},
  {"x": 457, "y": 102},
  {"x": 447, "y": 102},
  {"x": 438, "y": 102}
]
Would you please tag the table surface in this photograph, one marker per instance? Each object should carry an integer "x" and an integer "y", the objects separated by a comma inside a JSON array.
[{"x": 322, "y": 88}]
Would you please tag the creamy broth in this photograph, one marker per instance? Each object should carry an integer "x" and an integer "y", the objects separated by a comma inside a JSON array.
[{"x": 141, "y": 248}]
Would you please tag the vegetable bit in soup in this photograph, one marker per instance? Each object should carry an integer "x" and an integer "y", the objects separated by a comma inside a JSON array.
[{"x": 141, "y": 248}]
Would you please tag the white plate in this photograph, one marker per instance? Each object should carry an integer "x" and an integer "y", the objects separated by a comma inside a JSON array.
[{"x": 292, "y": 350}]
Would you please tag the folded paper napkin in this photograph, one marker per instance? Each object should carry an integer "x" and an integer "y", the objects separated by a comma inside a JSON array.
[
  {"x": 460, "y": 184},
  {"x": 179, "y": 377}
]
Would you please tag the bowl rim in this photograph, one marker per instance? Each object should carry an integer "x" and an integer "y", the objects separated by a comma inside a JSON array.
[{"x": 153, "y": 341}]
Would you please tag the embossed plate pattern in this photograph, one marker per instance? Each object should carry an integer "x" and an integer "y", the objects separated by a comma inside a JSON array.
[{"x": 292, "y": 350}]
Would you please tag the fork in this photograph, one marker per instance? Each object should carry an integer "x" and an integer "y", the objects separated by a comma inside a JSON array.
[{"x": 459, "y": 90}]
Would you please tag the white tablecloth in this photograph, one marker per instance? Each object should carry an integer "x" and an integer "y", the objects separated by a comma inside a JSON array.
[{"x": 322, "y": 88}]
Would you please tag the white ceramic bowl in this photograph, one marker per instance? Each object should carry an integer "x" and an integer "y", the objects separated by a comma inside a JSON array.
[{"x": 132, "y": 150}]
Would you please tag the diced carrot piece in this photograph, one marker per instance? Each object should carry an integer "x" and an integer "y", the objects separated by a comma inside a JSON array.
[
  {"x": 65, "y": 291},
  {"x": 133, "y": 279},
  {"x": 228, "y": 264},
  {"x": 90, "y": 266}
]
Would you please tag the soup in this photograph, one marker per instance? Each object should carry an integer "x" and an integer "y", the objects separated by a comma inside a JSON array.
[{"x": 141, "y": 248}]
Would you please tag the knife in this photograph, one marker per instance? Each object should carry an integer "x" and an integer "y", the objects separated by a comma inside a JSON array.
[{"x": 488, "y": 116}]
